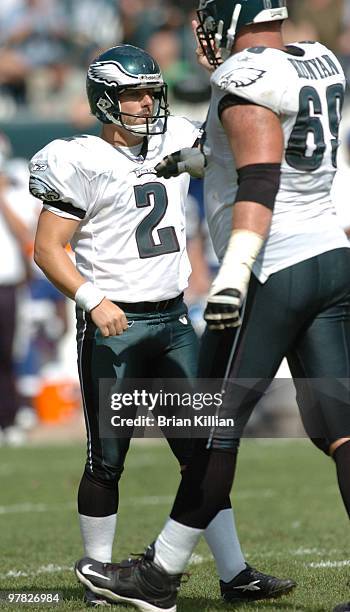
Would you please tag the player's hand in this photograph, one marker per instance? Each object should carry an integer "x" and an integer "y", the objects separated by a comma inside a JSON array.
[
  {"x": 201, "y": 57},
  {"x": 190, "y": 160},
  {"x": 230, "y": 287},
  {"x": 223, "y": 309},
  {"x": 109, "y": 318}
]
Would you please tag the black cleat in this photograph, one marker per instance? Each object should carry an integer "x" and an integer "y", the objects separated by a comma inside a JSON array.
[
  {"x": 139, "y": 582},
  {"x": 93, "y": 601},
  {"x": 252, "y": 585},
  {"x": 344, "y": 607}
]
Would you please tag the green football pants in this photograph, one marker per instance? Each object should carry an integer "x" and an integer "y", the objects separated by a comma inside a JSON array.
[
  {"x": 302, "y": 313},
  {"x": 155, "y": 345}
]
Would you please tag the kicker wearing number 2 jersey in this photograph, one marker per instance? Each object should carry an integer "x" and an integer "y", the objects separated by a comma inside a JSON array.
[
  {"x": 306, "y": 82},
  {"x": 135, "y": 224}
]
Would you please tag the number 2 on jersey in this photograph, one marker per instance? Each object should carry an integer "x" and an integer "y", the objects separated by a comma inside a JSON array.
[
  {"x": 146, "y": 195},
  {"x": 307, "y": 123}
]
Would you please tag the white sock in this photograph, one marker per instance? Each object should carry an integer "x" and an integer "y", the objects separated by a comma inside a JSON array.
[
  {"x": 174, "y": 546},
  {"x": 222, "y": 539},
  {"x": 98, "y": 535}
]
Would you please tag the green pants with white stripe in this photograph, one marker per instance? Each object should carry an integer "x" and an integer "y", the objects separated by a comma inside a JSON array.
[
  {"x": 157, "y": 344},
  {"x": 301, "y": 313}
]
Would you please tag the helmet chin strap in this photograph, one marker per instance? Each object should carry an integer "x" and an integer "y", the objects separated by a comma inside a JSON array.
[
  {"x": 134, "y": 129},
  {"x": 143, "y": 128},
  {"x": 140, "y": 128},
  {"x": 148, "y": 128},
  {"x": 231, "y": 32}
]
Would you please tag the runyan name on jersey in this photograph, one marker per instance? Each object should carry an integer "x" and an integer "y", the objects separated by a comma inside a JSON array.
[{"x": 315, "y": 68}]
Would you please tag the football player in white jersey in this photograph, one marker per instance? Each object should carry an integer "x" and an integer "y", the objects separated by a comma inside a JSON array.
[
  {"x": 127, "y": 228},
  {"x": 283, "y": 286}
]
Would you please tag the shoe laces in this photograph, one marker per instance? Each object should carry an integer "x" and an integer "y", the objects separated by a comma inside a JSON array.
[
  {"x": 255, "y": 574},
  {"x": 136, "y": 558},
  {"x": 142, "y": 558},
  {"x": 113, "y": 567}
]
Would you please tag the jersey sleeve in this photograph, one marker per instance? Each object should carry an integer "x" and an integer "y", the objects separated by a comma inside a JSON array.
[
  {"x": 255, "y": 77},
  {"x": 184, "y": 133},
  {"x": 57, "y": 180}
]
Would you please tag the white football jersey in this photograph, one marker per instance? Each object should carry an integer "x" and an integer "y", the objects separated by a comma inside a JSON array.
[
  {"x": 131, "y": 242},
  {"x": 305, "y": 87}
]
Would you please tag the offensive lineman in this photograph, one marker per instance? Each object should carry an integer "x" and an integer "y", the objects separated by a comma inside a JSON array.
[
  {"x": 102, "y": 195},
  {"x": 272, "y": 138}
]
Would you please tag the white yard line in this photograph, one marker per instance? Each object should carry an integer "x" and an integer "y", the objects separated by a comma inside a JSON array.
[
  {"x": 28, "y": 507},
  {"x": 254, "y": 494},
  {"x": 328, "y": 564},
  {"x": 301, "y": 551},
  {"x": 139, "y": 461},
  {"x": 298, "y": 552},
  {"x": 198, "y": 559},
  {"x": 57, "y": 569},
  {"x": 43, "y": 569},
  {"x": 149, "y": 500},
  {"x": 195, "y": 560}
]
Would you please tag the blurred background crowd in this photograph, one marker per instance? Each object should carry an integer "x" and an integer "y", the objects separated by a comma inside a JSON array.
[{"x": 45, "y": 48}]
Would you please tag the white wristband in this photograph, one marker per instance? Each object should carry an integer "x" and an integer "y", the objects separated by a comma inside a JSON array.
[
  {"x": 88, "y": 296},
  {"x": 241, "y": 253}
]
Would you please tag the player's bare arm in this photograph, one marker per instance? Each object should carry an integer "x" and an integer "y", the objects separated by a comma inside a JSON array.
[
  {"x": 52, "y": 236},
  {"x": 256, "y": 141},
  {"x": 255, "y": 137}
]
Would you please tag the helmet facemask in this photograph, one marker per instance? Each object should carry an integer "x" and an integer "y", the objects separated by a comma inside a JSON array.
[
  {"x": 206, "y": 33},
  {"x": 220, "y": 20},
  {"x": 110, "y": 106},
  {"x": 210, "y": 34}
]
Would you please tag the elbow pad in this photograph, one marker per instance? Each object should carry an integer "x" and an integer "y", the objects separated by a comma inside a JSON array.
[{"x": 259, "y": 183}]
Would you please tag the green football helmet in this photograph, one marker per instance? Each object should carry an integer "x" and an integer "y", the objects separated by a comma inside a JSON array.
[
  {"x": 220, "y": 20},
  {"x": 121, "y": 68}
]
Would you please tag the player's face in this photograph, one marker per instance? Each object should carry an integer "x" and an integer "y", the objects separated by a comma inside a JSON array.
[{"x": 139, "y": 102}]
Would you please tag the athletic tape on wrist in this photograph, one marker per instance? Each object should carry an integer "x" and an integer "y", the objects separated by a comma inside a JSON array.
[
  {"x": 88, "y": 296},
  {"x": 241, "y": 253}
]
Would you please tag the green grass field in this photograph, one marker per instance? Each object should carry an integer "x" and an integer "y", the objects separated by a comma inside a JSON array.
[{"x": 290, "y": 518}]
